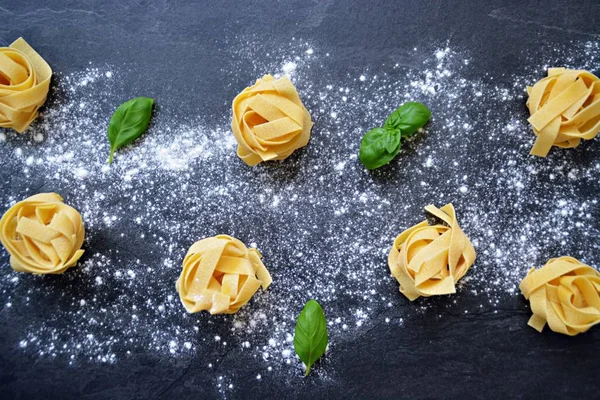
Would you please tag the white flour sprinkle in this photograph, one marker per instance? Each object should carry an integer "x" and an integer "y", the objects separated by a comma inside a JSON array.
[
  {"x": 289, "y": 67},
  {"x": 323, "y": 223}
]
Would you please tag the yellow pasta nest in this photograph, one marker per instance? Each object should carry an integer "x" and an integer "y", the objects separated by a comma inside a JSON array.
[
  {"x": 565, "y": 294},
  {"x": 564, "y": 108},
  {"x": 220, "y": 274},
  {"x": 42, "y": 234},
  {"x": 269, "y": 121},
  {"x": 428, "y": 259},
  {"x": 24, "y": 84}
]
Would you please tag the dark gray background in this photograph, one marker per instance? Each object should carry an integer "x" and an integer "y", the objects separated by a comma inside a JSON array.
[{"x": 456, "y": 356}]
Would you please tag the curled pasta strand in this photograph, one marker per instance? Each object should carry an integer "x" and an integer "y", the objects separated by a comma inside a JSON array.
[
  {"x": 42, "y": 234},
  {"x": 428, "y": 259},
  {"x": 24, "y": 84},
  {"x": 565, "y": 294},
  {"x": 269, "y": 121},
  {"x": 220, "y": 274},
  {"x": 564, "y": 108}
]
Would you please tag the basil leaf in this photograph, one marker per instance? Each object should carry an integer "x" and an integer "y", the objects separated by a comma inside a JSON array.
[
  {"x": 392, "y": 141},
  {"x": 408, "y": 118},
  {"x": 310, "y": 336},
  {"x": 379, "y": 146},
  {"x": 128, "y": 122}
]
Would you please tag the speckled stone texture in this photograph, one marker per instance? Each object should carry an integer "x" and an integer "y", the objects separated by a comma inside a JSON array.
[{"x": 179, "y": 47}]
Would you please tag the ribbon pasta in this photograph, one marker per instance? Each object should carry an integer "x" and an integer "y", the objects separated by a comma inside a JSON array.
[
  {"x": 24, "y": 84},
  {"x": 565, "y": 294},
  {"x": 269, "y": 121},
  {"x": 428, "y": 259},
  {"x": 220, "y": 274},
  {"x": 42, "y": 234},
  {"x": 565, "y": 108}
]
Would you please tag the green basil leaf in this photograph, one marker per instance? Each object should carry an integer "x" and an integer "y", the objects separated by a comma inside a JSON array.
[
  {"x": 310, "y": 336},
  {"x": 128, "y": 122},
  {"x": 393, "y": 141},
  {"x": 408, "y": 118},
  {"x": 376, "y": 145}
]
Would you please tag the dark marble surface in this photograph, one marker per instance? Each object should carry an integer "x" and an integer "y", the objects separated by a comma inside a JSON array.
[{"x": 473, "y": 356}]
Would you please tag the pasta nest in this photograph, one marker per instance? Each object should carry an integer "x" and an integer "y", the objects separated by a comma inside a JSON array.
[
  {"x": 24, "y": 84},
  {"x": 565, "y": 294},
  {"x": 269, "y": 121},
  {"x": 428, "y": 259},
  {"x": 220, "y": 274},
  {"x": 564, "y": 108},
  {"x": 42, "y": 234}
]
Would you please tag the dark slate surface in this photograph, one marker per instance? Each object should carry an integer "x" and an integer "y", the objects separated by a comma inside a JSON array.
[{"x": 459, "y": 356}]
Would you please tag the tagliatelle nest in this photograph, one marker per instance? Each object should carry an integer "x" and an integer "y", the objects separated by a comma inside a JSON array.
[
  {"x": 428, "y": 259},
  {"x": 565, "y": 294},
  {"x": 24, "y": 84},
  {"x": 42, "y": 234},
  {"x": 220, "y": 274},
  {"x": 269, "y": 121},
  {"x": 565, "y": 108}
]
